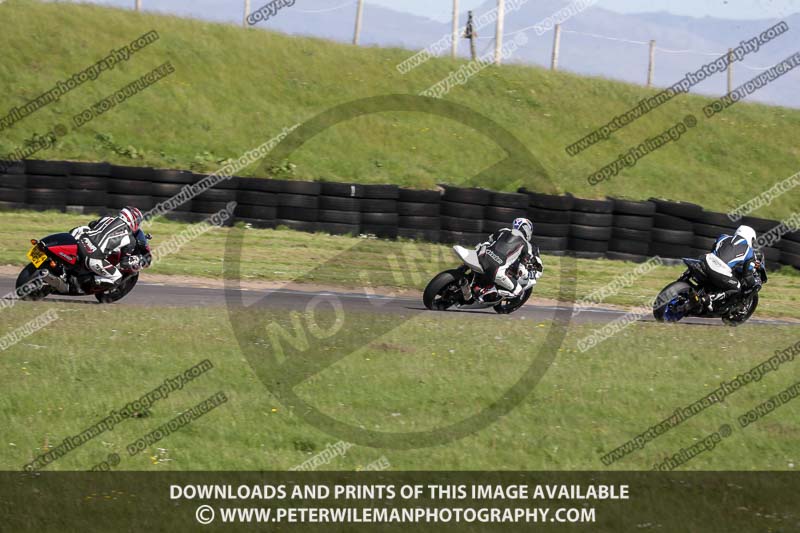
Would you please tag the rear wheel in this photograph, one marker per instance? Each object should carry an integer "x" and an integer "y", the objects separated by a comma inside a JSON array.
[
  {"x": 119, "y": 292},
  {"x": 442, "y": 291},
  {"x": 508, "y": 307},
  {"x": 678, "y": 289},
  {"x": 28, "y": 287},
  {"x": 740, "y": 315}
]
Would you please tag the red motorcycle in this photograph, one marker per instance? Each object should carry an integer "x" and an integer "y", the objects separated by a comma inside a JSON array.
[{"x": 56, "y": 267}]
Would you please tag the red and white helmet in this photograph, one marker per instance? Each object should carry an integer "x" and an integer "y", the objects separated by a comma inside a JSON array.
[{"x": 132, "y": 217}]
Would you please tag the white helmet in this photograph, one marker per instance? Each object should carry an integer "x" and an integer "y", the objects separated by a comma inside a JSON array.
[
  {"x": 525, "y": 226},
  {"x": 747, "y": 233}
]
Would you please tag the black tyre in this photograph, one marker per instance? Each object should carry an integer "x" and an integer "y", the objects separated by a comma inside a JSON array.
[
  {"x": 89, "y": 183},
  {"x": 258, "y": 185},
  {"x": 82, "y": 168},
  {"x": 53, "y": 197},
  {"x": 13, "y": 195},
  {"x": 715, "y": 219},
  {"x": 298, "y": 200},
  {"x": 130, "y": 187},
  {"x": 13, "y": 181},
  {"x": 674, "y": 251},
  {"x": 420, "y": 222},
  {"x": 378, "y": 205},
  {"x": 466, "y": 195},
  {"x": 506, "y": 308},
  {"x": 630, "y": 234},
  {"x": 256, "y": 211},
  {"x": 661, "y": 220},
  {"x": 490, "y": 226},
  {"x": 469, "y": 225},
  {"x": 633, "y": 222},
  {"x": 339, "y": 203},
  {"x": 703, "y": 243},
  {"x": 36, "y": 181},
  {"x": 163, "y": 175},
  {"x": 590, "y": 232},
  {"x": 389, "y": 219},
  {"x": 504, "y": 214},
  {"x": 591, "y": 219},
  {"x": 550, "y": 230},
  {"x": 548, "y": 201},
  {"x": 630, "y": 207},
  {"x": 548, "y": 216},
  {"x": 629, "y": 247},
  {"x": 218, "y": 195},
  {"x": 454, "y": 209},
  {"x": 93, "y": 198},
  {"x": 551, "y": 244},
  {"x": 264, "y": 199},
  {"x": 118, "y": 201},
  {"x": 667, "y": 294},
  {"x": 381, "y": 192},
  {"x": 510, "y": 200},
  {"x": 258, "y": 223},
  {"x": 47, "y": 168},
  {"x": 344, "y": 190},
  {"x": 414, "y": 209},
  {"x": 120, "y": 291},
  {"x": 707, "y": 230},
  {"x": 132, "y": 173},
  {"x": 27, "y": 288},
  {"x": 761, "y": 225},
  {"x": 790, "y": 259},
  {"x": 789, "y": 246},
  {"x": 310, "y": 188},
  {"x": 586, "y": 245},
  {"x": 340, "y": 217},
  {"x": 738, "y": 317},
  {"x": 592, "y": 206},
  {"x": 440, "y": 293},
  {"x": 298, "y": 213},
  {"x": 166, "y": 189},
  {"x": 419, "y": 196},
  {"x": 678, "y": 209},
  {"x": 672, "y": 236}
]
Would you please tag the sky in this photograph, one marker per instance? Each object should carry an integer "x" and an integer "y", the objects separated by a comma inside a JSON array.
[{"x": 733, "y": 9}]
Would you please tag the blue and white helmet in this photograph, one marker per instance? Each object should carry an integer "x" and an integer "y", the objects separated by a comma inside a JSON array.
[{"x": 524, "y": 226}]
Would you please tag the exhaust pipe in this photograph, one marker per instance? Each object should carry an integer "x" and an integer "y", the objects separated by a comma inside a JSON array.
[{"x": 54, "y": 281}]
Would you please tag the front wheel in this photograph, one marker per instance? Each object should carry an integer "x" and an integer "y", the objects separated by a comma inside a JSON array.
[
  {"x": 442, "y": 291},
  {"x": 739, "y": 316},
  {"x": 28, "y": 287},
  {"x": 119, "y": 292},
  {"x": 509, "y": 306}
]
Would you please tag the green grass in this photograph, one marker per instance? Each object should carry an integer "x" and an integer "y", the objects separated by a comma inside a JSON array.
[
  {"x": 233, "y": 89},
  {"x": 284, "y": 255},
  {"x": 424, "y": 373}
]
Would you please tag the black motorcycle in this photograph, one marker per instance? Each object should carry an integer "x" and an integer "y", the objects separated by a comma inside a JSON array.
[
  {"x": 56, "y": 267},
  {"x": 459, "y": 288},
  {"x": 712, "y": 273}
]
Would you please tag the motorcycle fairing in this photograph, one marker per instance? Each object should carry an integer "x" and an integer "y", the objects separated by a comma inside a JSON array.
[{"x": 469, "y": 258}]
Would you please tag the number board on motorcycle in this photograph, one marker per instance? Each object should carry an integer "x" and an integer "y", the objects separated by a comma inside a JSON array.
[{"x": 37, "y": 256}]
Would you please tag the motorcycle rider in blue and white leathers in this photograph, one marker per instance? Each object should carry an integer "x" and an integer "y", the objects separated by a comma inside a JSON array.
[{"x": 746, "y": 263}]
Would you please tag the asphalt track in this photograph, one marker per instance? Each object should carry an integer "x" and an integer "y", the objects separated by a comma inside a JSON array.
[{"x": 166, "y": 295}]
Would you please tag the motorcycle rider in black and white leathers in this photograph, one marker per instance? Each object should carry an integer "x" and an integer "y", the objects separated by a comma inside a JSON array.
[
  {"x": 105, "y": 236},
  {"x": 739, "y": 252},
  {"x": 511, "y": 263}
]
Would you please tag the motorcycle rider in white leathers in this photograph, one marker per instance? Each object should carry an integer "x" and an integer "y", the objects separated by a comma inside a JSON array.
[{"x": 510, "y": 260}]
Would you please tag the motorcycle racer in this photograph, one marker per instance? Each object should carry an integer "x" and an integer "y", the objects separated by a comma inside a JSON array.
[
  {"x": 106, "y": 236},
  {"x": 510, "y": 260},
  {"x": 746, "y": 263}
]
